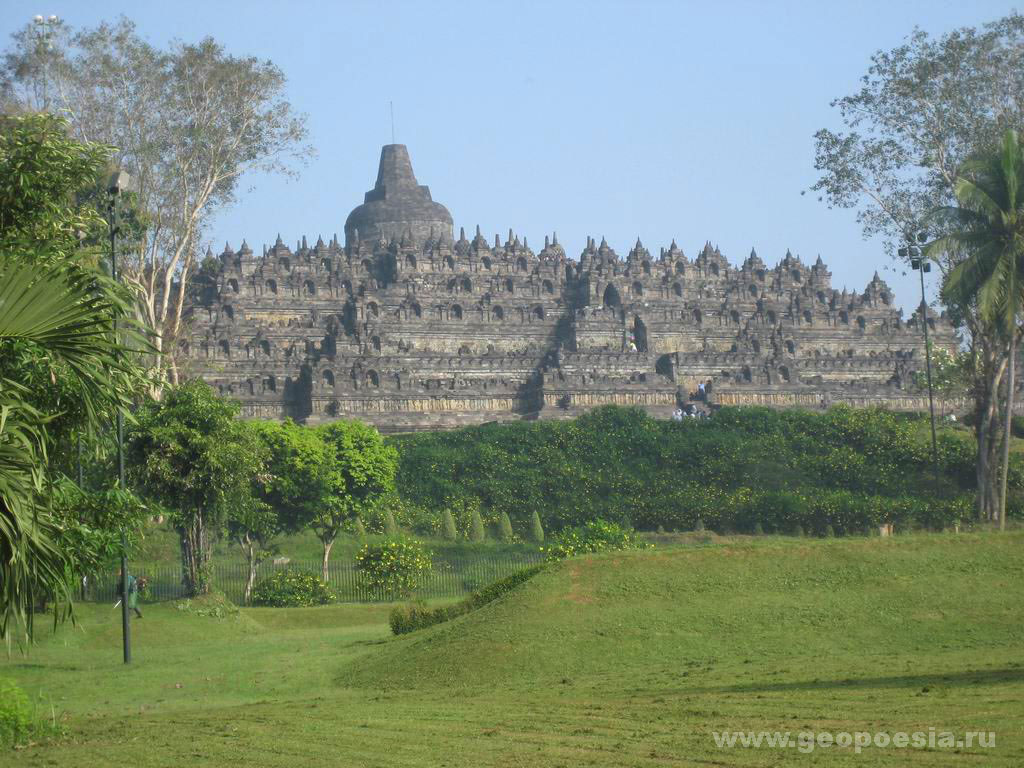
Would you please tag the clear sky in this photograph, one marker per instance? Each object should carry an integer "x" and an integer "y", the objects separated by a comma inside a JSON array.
[{"x": 691, "y": 120}]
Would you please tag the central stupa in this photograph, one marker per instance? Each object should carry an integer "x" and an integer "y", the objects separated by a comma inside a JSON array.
[{"x": 397, "y": 206}]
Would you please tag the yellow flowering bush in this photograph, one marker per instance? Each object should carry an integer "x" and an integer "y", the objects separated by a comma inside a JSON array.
[
  {"x": 595, "y": 536},
  {"x": 396, "y": 564}
]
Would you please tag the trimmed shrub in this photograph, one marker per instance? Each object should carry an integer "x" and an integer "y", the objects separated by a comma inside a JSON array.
[
  {"x": 390, "y": 526},
  {"x": 476, "y": 527},
  {"x": 359, "y": 528},
  {"x": 505, "y": 532},
  {"x": 536, "y": 529},
  {"x": 291, "y": 588},
  {"x": 758, "y": 529},
  {"x": 830, "y": 532},
  {"x": 395, "y": 565},
  {"x": 448, "y": 532},
  {"x": 595, "y": 536},
  {"x": 699, "y": 525},
  {"x": 409, "y": 618}
]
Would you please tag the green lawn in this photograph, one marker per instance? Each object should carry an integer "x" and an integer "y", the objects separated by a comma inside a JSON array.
[{"x": 615, "y": 660}]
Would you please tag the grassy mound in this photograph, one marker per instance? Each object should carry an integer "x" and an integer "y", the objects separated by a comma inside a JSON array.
[{"x": 656, "y": 614}]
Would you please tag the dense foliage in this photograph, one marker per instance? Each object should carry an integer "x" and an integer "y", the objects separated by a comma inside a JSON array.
[
  {"x": 291, "y": 588},
  {"x": 409, "y": 618},
  {"x": 45, "y": 182},
  {"x": 63, "y": 370},
  {"x": 395, "y": 564},
  {"x": 848, "y": 468},
  {"x": 592, "y": 536}
]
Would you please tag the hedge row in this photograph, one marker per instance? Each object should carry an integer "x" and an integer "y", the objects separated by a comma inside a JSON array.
[{"x": 409, "y": 618}]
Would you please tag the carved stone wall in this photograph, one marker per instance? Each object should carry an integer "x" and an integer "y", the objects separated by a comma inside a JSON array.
[{"x": 407, "y": 328}]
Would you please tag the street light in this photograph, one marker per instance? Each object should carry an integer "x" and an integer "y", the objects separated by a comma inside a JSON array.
[
  {"x": 43, "y": 33},
  {"x": 912, "y": 252},
  {"x": 118, "y": 183}
]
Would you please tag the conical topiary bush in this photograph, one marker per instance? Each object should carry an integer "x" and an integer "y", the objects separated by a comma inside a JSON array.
[
  {"x": 390, "y": 526},
  {"x": 476, "y": 527},
  {"x": 505, "y": 528},
  {"x": 448, "y": 531},
  {"x": 536, "y": 529}
]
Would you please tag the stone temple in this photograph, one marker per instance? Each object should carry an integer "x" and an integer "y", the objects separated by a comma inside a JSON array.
[{"x": 406, "y": 327}]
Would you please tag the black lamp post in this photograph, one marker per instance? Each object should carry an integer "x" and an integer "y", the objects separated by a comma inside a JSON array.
[
  {"x": 119, "y": 181},
  {"x": 912, "y": 252}
]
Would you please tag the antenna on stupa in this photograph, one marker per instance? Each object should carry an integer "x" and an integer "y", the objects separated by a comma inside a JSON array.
[{"x": 392, "y": 121}]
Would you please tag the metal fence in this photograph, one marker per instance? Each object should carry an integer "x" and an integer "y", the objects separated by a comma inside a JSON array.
[{"x": 455, "y": 577}]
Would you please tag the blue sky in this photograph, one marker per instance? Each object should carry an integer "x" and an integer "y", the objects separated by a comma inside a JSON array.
[{"x": 658, "y": 119}]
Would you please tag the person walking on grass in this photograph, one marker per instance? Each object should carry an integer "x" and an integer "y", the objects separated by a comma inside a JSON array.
[{"x": 133, "y": 591}]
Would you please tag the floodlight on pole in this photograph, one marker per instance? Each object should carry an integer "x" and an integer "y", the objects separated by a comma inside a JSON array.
[
  {"x": 922, "y": 265},
  {"x": 118, "y": 183}
]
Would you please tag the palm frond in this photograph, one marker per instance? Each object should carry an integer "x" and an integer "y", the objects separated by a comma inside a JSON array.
[
  {"x": 983, "y": 231},
  {"x": 70, "y": 313}
]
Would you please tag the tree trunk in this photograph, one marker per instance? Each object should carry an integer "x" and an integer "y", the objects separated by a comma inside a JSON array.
[
  {"x": 988, "y": 435},
  {"x": 249, "y": 547},
  {"x": 1008, "y": 432},
  {"x": 252, "y": 575},
  {"x": 195, "y": 556},
  {"x": 988, "y": 452},
  {"x": 328, "y": 543},
  {"x": 981, "y": 470},
  {"x": 993, "y": 448},
  {"x": 983, "y": 436}
]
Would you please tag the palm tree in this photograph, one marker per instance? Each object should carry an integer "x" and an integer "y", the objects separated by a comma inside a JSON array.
[
  {"x": 66, "y": 313},
  {"x": 987, "y": 227}
]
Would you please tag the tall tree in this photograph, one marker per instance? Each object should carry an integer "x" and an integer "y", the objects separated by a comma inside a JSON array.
[
  {"x": 326, "y": 477},
  {"x": 361, "y": 470},
  {"x": 190, "y": 454},
  {"x": 922, "y": 109},
  {"x": 987, "y": 227},
  {"x": 188, "y": 122}
]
